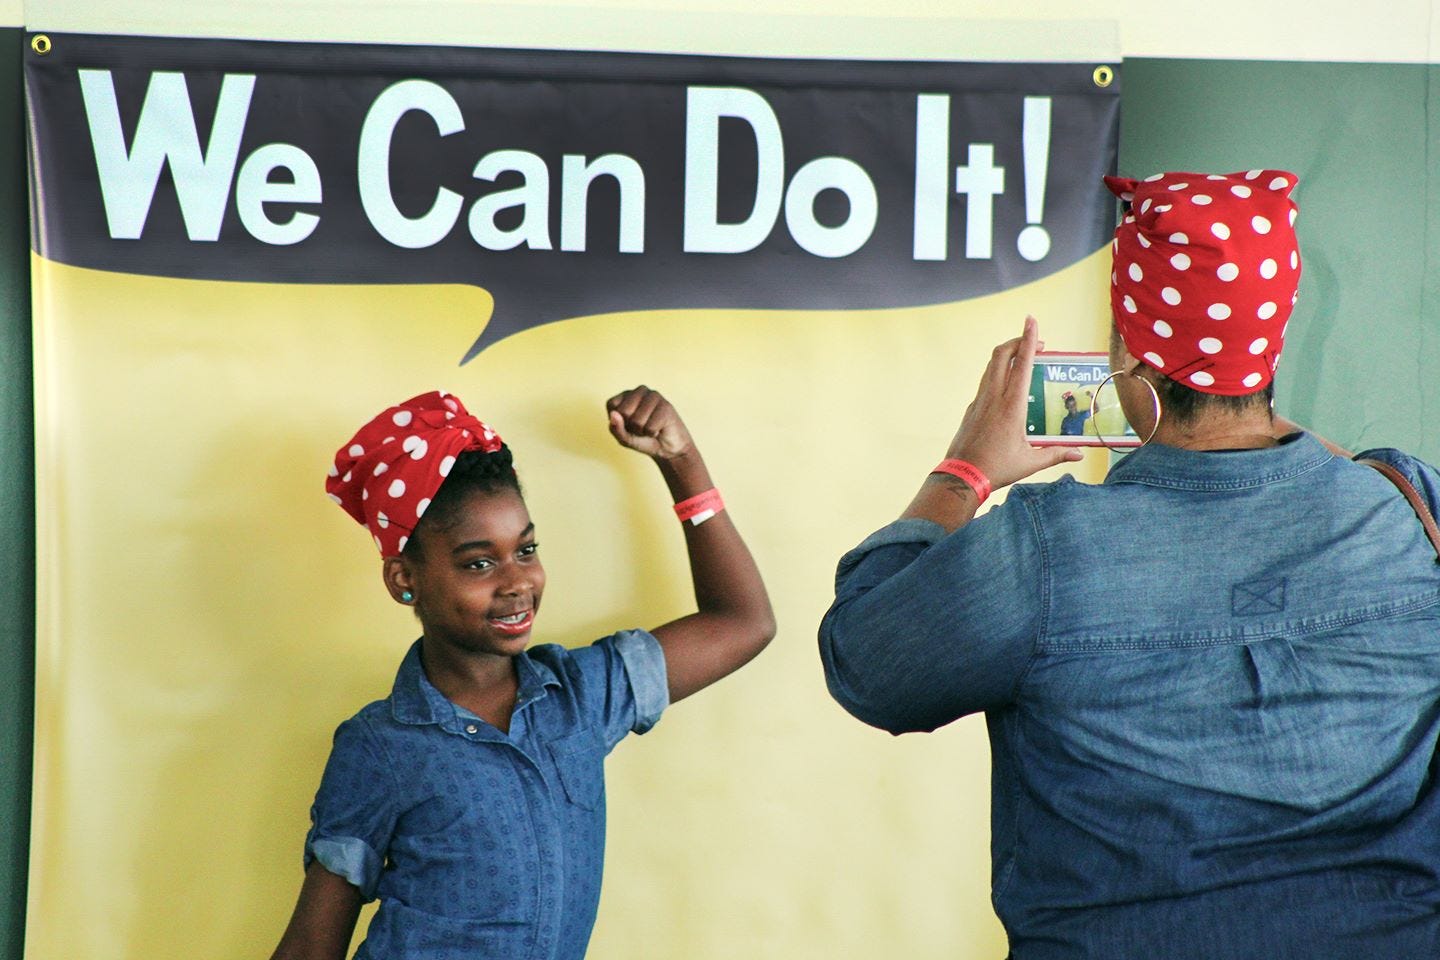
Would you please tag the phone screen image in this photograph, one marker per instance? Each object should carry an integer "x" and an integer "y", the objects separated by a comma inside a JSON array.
[{"x": 1072, "y": 403}]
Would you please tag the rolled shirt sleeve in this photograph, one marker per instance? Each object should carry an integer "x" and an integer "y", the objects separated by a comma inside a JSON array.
[
  {"x": 625, "y": 686},
  {"x": 353, "y": 817},
  {"x": 649, "y": 683},
  {"x": 927, "y": 627}
]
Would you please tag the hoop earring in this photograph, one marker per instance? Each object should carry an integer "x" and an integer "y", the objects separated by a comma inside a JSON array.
[{"x": 1095, "y": 407}]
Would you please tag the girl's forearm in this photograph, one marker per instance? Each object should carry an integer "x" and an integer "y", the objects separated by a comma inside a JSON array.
[
  {"x": 727, "y": 582},
  {"x": 733, "y": 621}
]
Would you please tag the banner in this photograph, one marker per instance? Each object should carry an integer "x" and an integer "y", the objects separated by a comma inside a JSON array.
[
  {"x": 569, "y": 184},
  {"x": 244, "y": 249}
]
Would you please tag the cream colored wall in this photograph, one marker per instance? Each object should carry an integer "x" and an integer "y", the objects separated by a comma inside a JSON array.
[{"x": 1408, "y": 31}]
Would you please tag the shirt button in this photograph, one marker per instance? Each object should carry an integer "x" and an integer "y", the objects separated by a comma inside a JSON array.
[{"x": 472, "y": 729}]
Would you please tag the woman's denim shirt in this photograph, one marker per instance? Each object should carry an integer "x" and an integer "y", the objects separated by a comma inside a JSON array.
[{"x": 1212, "y": 687}]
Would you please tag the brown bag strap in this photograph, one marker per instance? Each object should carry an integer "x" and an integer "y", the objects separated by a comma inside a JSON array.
[{"x": 1417, "y": 502}]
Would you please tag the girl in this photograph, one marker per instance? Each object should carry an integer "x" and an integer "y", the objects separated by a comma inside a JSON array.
[{"x": 471, "y": 801}]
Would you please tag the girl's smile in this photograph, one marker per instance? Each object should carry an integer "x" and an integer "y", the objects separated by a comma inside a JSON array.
[{"x": 515, "y": 624}]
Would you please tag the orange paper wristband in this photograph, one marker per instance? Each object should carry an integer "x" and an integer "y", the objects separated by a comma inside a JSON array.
[
  {"x": 968, "y": 472},
  {"x": 701, "y": 507}
]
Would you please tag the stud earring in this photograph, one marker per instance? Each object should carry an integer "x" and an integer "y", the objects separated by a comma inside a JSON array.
[{"x": 407, "y": 597}]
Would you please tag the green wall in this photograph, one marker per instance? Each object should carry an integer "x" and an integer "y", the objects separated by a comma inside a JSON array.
[
  {"x": 17, "y": 506},
  {"x": 1362, "y": 358},
  {"x": 1361, "y": 366}
]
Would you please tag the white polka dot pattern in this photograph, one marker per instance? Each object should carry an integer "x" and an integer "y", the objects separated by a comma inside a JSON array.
[
  {"x": 1203, "y": 289},
  {"x": 383, "y": 480}
]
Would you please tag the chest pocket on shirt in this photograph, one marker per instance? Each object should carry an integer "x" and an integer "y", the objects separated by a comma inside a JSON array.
[{"x": 580, "y": 764}]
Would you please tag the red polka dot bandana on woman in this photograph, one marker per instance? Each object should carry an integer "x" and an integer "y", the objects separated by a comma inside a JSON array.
[
  {"x": 1205, "y": 276},
  {"x": 388, "y": 473}
]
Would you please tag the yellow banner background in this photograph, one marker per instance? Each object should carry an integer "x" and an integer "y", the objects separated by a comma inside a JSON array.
[{"x": 207, "y": 617}]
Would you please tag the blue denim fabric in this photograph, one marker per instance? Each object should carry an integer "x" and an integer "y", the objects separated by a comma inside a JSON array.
[
  {"x": 1212, "y": 688},
  {"x": 479, "y": 843}
]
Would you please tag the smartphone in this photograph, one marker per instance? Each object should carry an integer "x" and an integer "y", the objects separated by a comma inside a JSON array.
[{"x": 1063, "y": 407}]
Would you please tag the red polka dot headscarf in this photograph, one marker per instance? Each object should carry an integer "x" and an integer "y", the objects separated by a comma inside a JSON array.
[
  {"x": 1206, "y": 272},
  {"x": 388, "y": 473}
]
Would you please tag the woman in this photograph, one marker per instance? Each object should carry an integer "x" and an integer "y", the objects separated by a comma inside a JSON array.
[{"x": 1212, "y": 683}]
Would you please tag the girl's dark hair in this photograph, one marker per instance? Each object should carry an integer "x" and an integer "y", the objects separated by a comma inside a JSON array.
[{"x": 475, "y": 471}]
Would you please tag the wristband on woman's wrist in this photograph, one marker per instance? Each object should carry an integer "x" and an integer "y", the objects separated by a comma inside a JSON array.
[
  {"x": 968, "y": 472},
  {"x": 701, "y": 507}
]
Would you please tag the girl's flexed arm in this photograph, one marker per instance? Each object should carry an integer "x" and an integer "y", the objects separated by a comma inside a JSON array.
[{"x": 734, "y": 621}]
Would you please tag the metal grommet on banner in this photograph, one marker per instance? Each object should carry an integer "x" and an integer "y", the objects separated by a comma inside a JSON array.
[
  {"x": 1103, "y": 76},
  {"x": 41, "y": 44}
]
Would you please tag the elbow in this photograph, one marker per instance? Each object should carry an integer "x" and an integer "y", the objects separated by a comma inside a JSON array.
[
  {"x": 859, "y": 695},
  {"x": 874, "y": 711},
  {"x": 755, "y": 624},
  {"x": 865, "y": 690},
  {"x": 757, "y": 630},
  {"x": 746, "y": 632},
  {"x": 764, "y": 627}
]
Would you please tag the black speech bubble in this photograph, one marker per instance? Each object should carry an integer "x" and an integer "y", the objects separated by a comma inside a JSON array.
[{"x": 550, "y": 104}]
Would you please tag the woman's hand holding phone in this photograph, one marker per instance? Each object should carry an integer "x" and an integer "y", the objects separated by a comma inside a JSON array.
[{"x": 992, "y": 433}]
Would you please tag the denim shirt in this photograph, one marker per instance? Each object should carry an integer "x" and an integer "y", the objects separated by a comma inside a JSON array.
[
  {"x": 480, "y": 843},
  {"x": 1212, "y": 689}
]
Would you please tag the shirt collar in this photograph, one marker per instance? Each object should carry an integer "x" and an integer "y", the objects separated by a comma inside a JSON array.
[
  {"x": 1159, "y": 465},
  {"x": 414, "y": 699}
]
